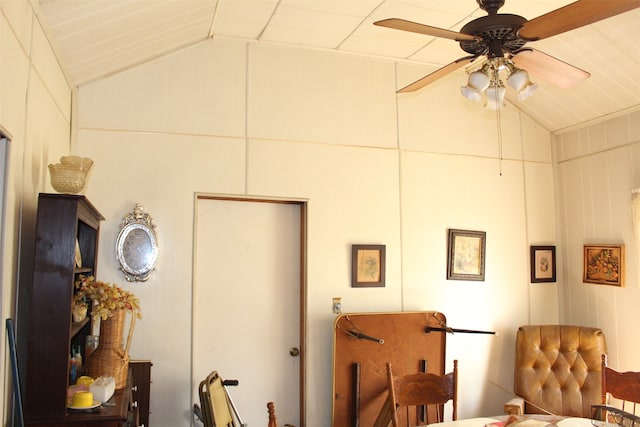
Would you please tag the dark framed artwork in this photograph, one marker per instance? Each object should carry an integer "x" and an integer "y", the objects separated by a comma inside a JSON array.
[
  {"x": 603, "y": 264},
  {"x": 367, "y": 266},
  {"x": 466, "y": 255},
  {"x": 543, "y": 264}
]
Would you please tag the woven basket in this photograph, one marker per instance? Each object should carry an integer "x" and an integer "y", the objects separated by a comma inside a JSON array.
[{"x": 110, "y": 358}]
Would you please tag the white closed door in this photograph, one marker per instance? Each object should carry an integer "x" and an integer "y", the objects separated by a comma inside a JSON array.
[{"x": 247, "y": 303}]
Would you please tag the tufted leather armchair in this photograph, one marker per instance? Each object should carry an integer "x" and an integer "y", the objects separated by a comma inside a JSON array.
[{"x": 557, "y": 370}]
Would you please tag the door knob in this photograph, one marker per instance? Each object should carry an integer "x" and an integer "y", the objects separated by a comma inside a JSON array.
[{"x": 293, "y": 351}]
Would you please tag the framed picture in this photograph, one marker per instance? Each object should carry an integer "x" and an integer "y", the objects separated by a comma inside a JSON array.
[
  {"x": 543, "y": 264},
  {"x": 367, "y": 266},
  {"x": 466, "y": 255},
  {"x": 604, "y": 264}
]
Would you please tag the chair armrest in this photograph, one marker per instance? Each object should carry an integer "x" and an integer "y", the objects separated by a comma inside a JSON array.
[
  {"x": 515, "y": 406},
  {"x": 605, "y": 413}
]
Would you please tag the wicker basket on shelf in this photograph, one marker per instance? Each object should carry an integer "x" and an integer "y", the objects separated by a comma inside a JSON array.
[
  {"x": 111, "y": 358},
  {"x": 110, "y": 304}
]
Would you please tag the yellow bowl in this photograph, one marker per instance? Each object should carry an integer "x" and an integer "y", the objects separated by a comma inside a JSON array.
[
  {"x": 82, "y": 399},
  {"x": 84, "y": 380}
]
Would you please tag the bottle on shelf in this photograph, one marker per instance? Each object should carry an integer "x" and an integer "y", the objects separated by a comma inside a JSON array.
[
  {"x": 73, "y": 369},
  {"x": 78, "y": 360}
]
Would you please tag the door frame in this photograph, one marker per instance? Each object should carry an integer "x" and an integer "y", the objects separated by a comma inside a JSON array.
[{"x": 302, "y": 204}]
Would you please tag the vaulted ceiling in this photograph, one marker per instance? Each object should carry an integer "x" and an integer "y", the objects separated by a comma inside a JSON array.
[{"x": 96, "y": 38}]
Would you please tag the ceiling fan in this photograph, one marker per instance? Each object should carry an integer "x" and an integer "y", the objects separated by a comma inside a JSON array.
[{"x": 502, "y": 38}]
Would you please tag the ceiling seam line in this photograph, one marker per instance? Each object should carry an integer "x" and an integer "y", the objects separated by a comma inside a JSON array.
[
  {"x": 266, "y": 25},
  {"x": 348, "y": 36},
  {"x": 214, "y": 18},
  {"x": 246, "y": 117}
]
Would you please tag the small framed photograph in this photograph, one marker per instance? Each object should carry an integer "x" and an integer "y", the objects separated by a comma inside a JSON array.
[
  {"x": 543, "y": 264},
  {"x": 367, "y": 266},
  {"x": 466, "y": 251},
  {"x": 604, "y": 264}
]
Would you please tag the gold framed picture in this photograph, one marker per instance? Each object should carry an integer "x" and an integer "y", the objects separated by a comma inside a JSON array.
[{"x": 603, "y": 264}]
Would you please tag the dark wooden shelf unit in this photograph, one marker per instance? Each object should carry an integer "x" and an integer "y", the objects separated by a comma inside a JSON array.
[{"x": 64, "y": 221}]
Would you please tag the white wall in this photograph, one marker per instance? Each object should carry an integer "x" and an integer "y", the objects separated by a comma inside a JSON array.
[
  {"x": 227, "y": 117},
  {"x": 35, "y": 110},
  {"x": 597, "y": 166}
]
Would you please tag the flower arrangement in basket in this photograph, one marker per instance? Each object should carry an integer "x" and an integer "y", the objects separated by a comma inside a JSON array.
[
  {"x": 106, "y": 297},
  {"x": 109, "y": 304}
]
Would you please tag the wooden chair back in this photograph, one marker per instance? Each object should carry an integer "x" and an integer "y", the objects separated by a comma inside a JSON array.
[
  {"x": 418, "y": 399},
  {"x": 620, "y": 396}
]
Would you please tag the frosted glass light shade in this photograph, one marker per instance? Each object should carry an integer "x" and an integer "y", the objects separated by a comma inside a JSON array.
[
  {"x": 479, "y": 80},
  {"x": 518, "y": 79},
  {"x": 527, "y": 91},
  {"x": 471, "y": 93},
  {"x": 495, "y": 97}
]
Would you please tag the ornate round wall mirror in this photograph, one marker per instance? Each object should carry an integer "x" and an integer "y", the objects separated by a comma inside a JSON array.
[{"x": 137, "y": 245}]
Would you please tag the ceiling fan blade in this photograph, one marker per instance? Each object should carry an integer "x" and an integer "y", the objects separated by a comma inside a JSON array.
[
  {"x": 548, "y": 68},
  {"x": 441, "y": 72},
  {"x": 573, "y": 15},
  {"x": 414, "y": 27}
]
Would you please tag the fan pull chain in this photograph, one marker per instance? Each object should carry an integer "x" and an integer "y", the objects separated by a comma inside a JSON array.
[{"x": 499, "y": 139}]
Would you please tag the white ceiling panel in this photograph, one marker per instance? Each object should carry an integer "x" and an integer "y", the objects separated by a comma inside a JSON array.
[
  {"x": 96, "y": 38},
  {"x": 532, "y": 9},
  {"x": 439, "y": 51},
  {"x": 243, "y": 19},
  {"x": 429, "y": 12},
  {"x": 305, "y": 26},
  {"x": 357, "y": 8}
]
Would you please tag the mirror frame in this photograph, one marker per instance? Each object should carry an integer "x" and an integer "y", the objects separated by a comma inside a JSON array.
[{"x": 138, "y": 220}]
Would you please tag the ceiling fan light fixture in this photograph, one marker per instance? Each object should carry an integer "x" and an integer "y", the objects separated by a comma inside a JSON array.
[
  {"x": 502, "y": 36},
  {"x": 471, "y": 93},
  {"x": 518, "y": 79},
  {"x": 479, "y": 79},
  {"x": 477, "y": 83},
  {"x": 487, "y": 81},
  {"x": 527, "y": 91},
  {"x": 495, "y": 96}
]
